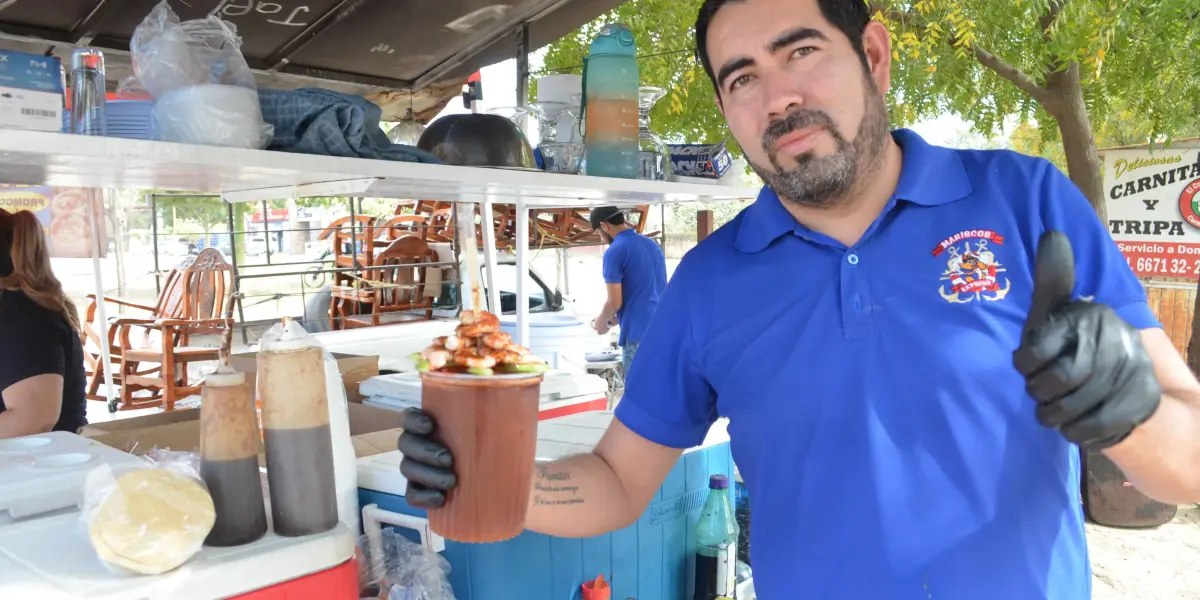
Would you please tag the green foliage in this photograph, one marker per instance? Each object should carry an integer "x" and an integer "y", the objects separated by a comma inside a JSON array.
[
  {"x": 1139, "y": 58},
  {"x": 205, "y": 212}
]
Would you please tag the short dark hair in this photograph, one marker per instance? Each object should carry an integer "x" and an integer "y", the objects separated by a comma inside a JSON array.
[
  {"x": 606, "y": 214},
  {"x": 848, "y": 16}
]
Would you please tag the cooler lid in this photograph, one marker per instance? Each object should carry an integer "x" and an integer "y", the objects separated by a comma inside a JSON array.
[
  {"x": 44, "y": 473},
  {"x": 53, "y": 559},
  {"x": 557, "y": 385}
]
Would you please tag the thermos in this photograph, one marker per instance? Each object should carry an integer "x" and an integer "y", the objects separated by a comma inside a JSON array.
[
  {"x": 610, "y": 104},
  {"x": 88, "y": 93}
]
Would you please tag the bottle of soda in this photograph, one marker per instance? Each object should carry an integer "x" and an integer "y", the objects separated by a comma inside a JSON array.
[{"x": 716, "y": 544}]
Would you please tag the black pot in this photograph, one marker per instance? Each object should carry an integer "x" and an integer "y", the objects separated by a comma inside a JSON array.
[{"x": 477, "y": 140}]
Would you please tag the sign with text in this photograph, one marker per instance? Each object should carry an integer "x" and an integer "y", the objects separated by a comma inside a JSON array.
[
  {"x": 1153, "y": 201},
  {"x": 64, "y": 214}
]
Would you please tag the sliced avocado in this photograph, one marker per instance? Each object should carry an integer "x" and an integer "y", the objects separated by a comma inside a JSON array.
[
  {"x": 480, "y": 371},
  {"x": 422, "y": 365}
]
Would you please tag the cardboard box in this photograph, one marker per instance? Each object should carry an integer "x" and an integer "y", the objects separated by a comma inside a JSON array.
[
  {"x": 354, "y": 368},
  {"x": 31, "y": 91},
  {"x": 373, "y": 430}
]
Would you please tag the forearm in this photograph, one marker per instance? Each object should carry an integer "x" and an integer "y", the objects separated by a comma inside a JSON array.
[
  {"x": 608, "y": 312},
  {"x": 578, "y": 496},
  {"x": 13, "y": 424},
  {"x": 1162, "y": 456}
]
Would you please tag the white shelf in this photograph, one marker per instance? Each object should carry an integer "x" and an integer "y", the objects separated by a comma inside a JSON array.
[{"x": 40, "y": 158}]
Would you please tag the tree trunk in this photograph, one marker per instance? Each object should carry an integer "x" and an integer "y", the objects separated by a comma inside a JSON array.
[{"x": 1079, "y": 144}]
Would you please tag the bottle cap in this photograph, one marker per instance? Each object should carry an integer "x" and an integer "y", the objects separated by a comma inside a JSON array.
[
  {"x": 87, "y": 58},
  {"x": 718, "y": 482}
]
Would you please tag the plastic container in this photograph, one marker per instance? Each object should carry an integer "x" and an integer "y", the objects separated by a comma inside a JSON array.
[
  {"x": 716, "y": 544},
  {"x": 296, "y": 433},
  {"x": 490, "y": 425},
  {"x": 229, "y": 437},
  {"x": 610, "y": 103},
  {"x": 560, "y": 340}
]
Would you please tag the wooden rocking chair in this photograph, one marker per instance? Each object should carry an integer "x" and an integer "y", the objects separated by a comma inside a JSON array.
[{"x": 399, "y": 289}]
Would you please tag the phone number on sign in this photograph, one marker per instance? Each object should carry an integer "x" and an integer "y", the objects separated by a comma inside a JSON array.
[{"x": 1159, "y": 266}]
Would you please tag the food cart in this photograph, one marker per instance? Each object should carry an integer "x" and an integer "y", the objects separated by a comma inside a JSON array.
[{"x": 350, "y": 45}]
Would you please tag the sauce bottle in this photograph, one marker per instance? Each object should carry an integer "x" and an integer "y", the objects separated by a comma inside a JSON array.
[
  {"x": 610, "y": 104},
  {"x": 229, "y": 458},
  {"x": 716, "y": 544}
]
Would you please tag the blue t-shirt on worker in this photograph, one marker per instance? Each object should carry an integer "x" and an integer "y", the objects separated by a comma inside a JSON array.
[
  {"x": 887, "y": 441},
  {"x": 637, "y": 263}
]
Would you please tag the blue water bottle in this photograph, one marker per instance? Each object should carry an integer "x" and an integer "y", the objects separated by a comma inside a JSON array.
[{"x": 610, "y": 104}]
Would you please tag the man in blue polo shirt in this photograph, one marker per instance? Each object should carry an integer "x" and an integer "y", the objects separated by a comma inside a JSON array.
[
  {"x": 635, "y": 274},
  {"x": 934, "y": 334}
]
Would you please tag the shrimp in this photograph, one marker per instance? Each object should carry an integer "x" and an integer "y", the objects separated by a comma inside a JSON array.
[
  {"x": 472, "y": 360},
  {"x": 476, "y": 323},
  {"x": 497, "y": 341},
  {"x": 436, "y": 357},
  {"x": 450, "y": 342}
]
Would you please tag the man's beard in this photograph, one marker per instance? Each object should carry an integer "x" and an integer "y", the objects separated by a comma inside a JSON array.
[{"x": 826, "y": 181}]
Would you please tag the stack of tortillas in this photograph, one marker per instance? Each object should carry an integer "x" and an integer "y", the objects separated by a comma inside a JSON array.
[{"x": 153, "y": 521}]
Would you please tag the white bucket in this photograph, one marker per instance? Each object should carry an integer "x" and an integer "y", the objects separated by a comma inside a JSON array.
[{"x": 560, "y": 340}]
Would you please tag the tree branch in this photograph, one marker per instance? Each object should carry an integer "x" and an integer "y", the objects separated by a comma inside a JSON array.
[
  {"x": 1018, "y": 78},
  {"x": 996, "y": 64}
]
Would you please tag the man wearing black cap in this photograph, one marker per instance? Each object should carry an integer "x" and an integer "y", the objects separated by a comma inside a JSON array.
[{"x": 635, "y": 272}]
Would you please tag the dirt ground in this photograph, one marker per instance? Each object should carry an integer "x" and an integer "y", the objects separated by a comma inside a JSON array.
[{"x": 1151, "y": 564}]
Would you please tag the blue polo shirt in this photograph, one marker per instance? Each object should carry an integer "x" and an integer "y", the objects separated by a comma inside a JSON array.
[
  {"x": 888, "y": 444},
  {"x": 637, "y": 263}
]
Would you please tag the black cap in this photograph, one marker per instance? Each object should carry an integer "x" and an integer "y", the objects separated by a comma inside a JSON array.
[{"x": 602, "y": 214}]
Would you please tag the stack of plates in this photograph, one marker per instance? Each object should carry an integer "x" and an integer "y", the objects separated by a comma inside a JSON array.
[{"x": 129, "y": 119}]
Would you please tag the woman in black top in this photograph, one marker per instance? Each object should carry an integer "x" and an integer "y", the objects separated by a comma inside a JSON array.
[{"x": 41, "y": 359}]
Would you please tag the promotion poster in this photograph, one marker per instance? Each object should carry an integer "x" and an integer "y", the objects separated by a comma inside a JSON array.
[
  {"x": 63, "y": 212},
  {"x": 1153, "y": 201}
]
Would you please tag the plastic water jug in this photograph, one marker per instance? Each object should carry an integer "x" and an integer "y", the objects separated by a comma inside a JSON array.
[{"x": 610, "y": 104}]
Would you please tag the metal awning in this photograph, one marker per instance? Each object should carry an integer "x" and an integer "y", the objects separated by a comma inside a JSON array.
[{"x": 372, "y": 48}]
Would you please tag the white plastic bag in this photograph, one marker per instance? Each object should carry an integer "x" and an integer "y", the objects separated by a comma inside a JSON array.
[
  {"x": 150, "y": 519},
  {"x": 406, "y": 571},
  {"x": 203, "y": 90}
]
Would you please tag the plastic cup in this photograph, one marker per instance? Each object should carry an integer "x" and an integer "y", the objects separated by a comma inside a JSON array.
[{"x": 490, "y": 425}]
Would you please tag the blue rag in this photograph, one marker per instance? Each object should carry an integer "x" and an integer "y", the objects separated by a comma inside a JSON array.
[{"x": 328, "y": 123}]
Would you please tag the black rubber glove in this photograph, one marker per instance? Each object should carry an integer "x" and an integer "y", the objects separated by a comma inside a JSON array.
[
  {"x": 1082, "y": 363},
  {"x": 427, "y": 464}
]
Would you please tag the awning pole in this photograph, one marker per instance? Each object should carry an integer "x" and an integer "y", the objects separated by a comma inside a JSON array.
[
  {"x": 522, "y": 242},
  {"x": 523, "y": 64},
  {"x": 94, "y": 196}
]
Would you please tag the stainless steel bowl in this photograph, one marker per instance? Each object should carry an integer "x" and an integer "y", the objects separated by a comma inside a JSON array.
[{"x": 477, "y": 140}]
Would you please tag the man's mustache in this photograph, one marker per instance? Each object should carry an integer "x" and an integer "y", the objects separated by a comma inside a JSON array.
[{"x": 797, "y": 119}]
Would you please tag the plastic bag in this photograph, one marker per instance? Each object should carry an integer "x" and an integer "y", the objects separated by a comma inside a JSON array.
[
  {"x": 401, "y": 570},
  {"x": 290, "y": 336},
  {"x": 151, "y": 519},
  {"x": 203, "y": 90}
]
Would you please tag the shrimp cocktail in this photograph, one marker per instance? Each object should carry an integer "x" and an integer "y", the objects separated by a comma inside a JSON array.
[{"x": 482, "y": 390}]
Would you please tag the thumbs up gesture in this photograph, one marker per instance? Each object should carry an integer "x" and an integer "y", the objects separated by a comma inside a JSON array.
[{"x": 1083, "y": 365}]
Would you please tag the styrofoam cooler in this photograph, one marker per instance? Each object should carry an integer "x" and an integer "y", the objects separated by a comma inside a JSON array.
[
  {"x": 560, "y": 340},
  {"x": 52, "y": 559},
  {"x": 44, "y": 473},
  {"x": 650, "y": 559}
]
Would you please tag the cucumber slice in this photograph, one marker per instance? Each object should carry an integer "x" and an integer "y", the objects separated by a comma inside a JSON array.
[
  {"x": 480, "y": 371},
  {"x": 529, "y": 368},
  {"x": 415, "y": 356},
  {"x": 422, "y": 365}
]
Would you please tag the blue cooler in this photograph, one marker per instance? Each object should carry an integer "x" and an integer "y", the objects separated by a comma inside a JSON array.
[{"x": 649, "y": 560}]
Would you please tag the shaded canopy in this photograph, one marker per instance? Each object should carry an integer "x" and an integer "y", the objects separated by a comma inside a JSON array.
[{"x": 396, "y": 53}]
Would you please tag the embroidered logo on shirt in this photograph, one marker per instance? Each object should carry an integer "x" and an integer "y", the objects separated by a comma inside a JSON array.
[{"x": 972, "y": 271}]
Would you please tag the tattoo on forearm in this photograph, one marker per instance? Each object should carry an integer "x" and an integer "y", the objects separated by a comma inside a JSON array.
[{"x": 554, "y": 488}]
